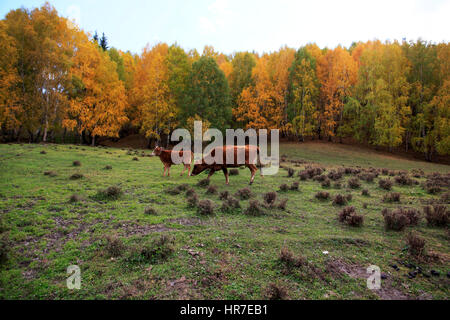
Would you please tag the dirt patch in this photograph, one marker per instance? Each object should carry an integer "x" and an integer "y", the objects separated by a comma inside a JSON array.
[
  {"x": 337, "y": 267},
  {"x": 132, "y": 229},
  {"x": 187, "y": 221}
]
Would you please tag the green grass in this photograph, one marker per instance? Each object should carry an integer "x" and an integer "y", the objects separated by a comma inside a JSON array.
[{"x": 225, "y": 256}]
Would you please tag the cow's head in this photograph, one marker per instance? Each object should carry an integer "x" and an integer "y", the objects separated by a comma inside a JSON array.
[
  {"x": 198, "y": 168},
  {"x": 157, "y": 151}
]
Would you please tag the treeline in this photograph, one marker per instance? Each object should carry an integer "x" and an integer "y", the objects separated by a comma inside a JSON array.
[{"x": 58, "y": 81}]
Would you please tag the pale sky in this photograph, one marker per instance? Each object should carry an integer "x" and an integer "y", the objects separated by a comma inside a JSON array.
[{"x": 260, "y": 25}]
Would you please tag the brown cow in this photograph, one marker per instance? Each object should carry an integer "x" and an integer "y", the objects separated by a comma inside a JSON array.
[
  {"x": 166, "y": 158},
  {"x": 249, "y": 163}
]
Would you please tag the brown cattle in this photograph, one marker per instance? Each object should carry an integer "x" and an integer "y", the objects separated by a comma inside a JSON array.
[
  {"x": 249, "y": 163},
  {"x": 166, "y": 158}
]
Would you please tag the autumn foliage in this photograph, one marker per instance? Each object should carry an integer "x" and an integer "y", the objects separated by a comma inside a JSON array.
[{"x": 58, "y": 83}]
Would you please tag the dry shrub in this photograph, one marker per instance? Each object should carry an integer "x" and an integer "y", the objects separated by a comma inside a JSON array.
[
  {"x": 74, "y": 198},
  {"x": 326, "y": 183},
  {"x": 392, "y": 197},
  {"x": 349, "y": 216},
  {"x": 303, "y": 175},
  {"x": 339, "y": 200},
  {"x": 320, "y": 178},
  {"x": 76, "y": 163},
  {"x": 284, "y": 187},
  {"x": 365, "y": 192},
  {"x": 230, "y": 204},
  {"x": 135, "y": 159},
  {"x": 234, "y": 172},
  {"x": 203, "y": 183},
  {"x": 211, "y": 190},
  {"x": 294, "y": 186},
  {"x": 413, "y": 215},
  {"x": 50, "y": 173},
  {"x": 337, "y": 185},
  {"x": 150, "y": 211},
  {"x": 437, "y": 215},
  {"x": 192, "y": 200},
  {"x": 4, "y": 249},
  {"x": 282, "y": 205},
  {"x": 385, "y": 171},
  {"x": 290, "y": 172},
  {"x": 43, "y": 152},
  {"x": 76, "y": 176},
  {"x": 254, "y": 209},
  {"x": 190, "y": 192},
  {"x": 276, "y": 291},
  {"x": 114, "y": 246},
  {"x": 244, "y": 194},
  {"x": 396, "y": 219},
  {"x": 205, "y": 207},
  {"x": 322, "y": 195},
  {"x": 289, "y": 259},
  {"x": 404, "y": 180},
  {"x": 110, "y": 193},
  {"x": 354, "y": 183},
  {"x": 173, "y": 191},
  {"x": 108, "y": 167},
  {"x": 368, "y": 176},
  {"x": 416, "y": 245},
  {"x": 270, "y": 198},
  {"x": 159, "y": 249},
  {"x": 334, "y": 175},
  {"x": 224, "y": 195},
  {"x": 385, "y": 184},
  {"x": 349, "y": 197}
]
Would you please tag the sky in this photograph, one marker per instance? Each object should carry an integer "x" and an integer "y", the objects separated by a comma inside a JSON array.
[{"x": 252, "y": 25}]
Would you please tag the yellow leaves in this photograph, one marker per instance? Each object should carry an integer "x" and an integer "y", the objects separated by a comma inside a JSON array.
[{"x": 100, "y": 107}]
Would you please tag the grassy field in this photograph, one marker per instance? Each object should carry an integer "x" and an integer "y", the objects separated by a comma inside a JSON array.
[{"x": 127, "y": 252}]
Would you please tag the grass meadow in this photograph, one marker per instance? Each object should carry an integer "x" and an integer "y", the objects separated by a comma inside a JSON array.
[{"x": 136, "y": 235}]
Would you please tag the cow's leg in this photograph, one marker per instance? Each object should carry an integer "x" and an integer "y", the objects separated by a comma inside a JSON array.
[
  {"x": 165, "y": 168},
  {"x": 189, "y": 170},
  {"x": 168, "y": 170},
  {"x": 253, "y": 170},
  {"x": 184, "y": 169},
  {"x": 225, "y": 172},
  {"x": 211, "y": 172}
]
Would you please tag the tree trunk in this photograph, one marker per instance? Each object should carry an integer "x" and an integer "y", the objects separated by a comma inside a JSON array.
[{"x": 93, "y": 141}]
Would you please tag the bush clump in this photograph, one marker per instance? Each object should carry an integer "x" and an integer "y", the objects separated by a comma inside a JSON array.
[
  {"x": 284, "y": 187},
  {"x": 354, "y": 183},
  {"x": 108, "y": 167},
  {"x": 294, "y": 186},
  {"x": 135, "y": 159},
  {"x": 416, "y": 245},
  {"x": 76, "y": 176},
  {"x": 230, "y": 204},
  {"x": 190, "y": 192},
  {"x": 326, "y": 183},
  {"x": 254, "y": 209},
  {"x": 114, "y": 246},
  {"x": 340, "y": 200},
  {"x": 396, "y": 219},
  {"x": 234, "y": 172},
  {"x": 203, "y": 183},
  {"x": 290, "y": 172},
  {"x": 159, "y": 249},
  {"x": 282, "y": 205},
  {"x": 404, "y": 180},
  {"x": 76, "y": 163},
  {"x": 43, "y": 152},
  {"x": 392, "y": 197},
  {"x": 322, "y": 195},
  {"x": 50, "y": 173},
  {"x": 74, "y": 198},
  {"x": 437, "y": 215},
  {"x": 150, "y": 211},
  {"x": 224, "y": 195},
  {"x": 289, "y": 259},
  {"x": 276, "y": 291},
  {"x": 349, "y": 216},
  {"x": 192, "y": 200},
  {"x": 244, "y": 194},
  {"x": 385, "y": 184},
  {"x": 365, "y": 192},
  {"x": 211, "y": 190},
  {"x": 110, "y": 193},
  {"x": 270, "y": 198},
  {"x": 205, "y": 207}
]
